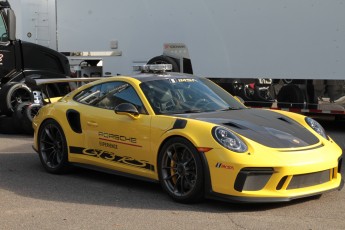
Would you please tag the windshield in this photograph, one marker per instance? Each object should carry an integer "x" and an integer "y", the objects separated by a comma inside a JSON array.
[
  {"x": 3, "y": 30},
  {"x": 187, "y": 95}
]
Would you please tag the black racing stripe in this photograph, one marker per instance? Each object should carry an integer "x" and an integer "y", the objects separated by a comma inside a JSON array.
[
  {"x": 116, "y": 158},
  {"x": 76, "y": 150},
  {"x": 180, "y": 124}
]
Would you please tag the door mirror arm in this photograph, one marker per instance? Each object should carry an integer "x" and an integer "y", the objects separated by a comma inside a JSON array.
[{"x": 127, "y": 109}]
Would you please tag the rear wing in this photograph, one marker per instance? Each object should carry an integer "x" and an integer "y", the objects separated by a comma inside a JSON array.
[
  {"x": 35, "y": 83},
  {"x": 39, "y": 84}
]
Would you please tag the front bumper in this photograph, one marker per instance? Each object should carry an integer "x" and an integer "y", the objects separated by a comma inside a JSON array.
[{"x": 274, "y": 179}]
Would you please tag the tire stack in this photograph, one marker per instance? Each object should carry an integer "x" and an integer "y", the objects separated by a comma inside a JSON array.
[
  {"x": 165, "y": 60},
  {"x": 290, "y": 96},
  {"x": 16, "y": 101}
]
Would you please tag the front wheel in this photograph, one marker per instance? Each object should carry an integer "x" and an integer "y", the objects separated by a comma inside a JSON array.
[
  {"x": 52, "y": 147},
  {"x": 180, "y": 171}
]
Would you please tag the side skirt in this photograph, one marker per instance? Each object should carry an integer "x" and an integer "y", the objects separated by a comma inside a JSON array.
[{"x": 114, "y": 172}]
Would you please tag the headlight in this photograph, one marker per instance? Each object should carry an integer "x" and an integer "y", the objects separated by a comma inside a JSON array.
[
  {"x": 229, "y": 140},
  {"x": 316, "y": 126}
]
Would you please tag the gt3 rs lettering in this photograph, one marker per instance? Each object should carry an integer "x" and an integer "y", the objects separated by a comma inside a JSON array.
[
  {"x": 99, "y": 153},
  {"x": 110, "y": 156}
]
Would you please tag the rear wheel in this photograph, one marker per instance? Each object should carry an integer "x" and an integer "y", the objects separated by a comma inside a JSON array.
[
  {"x": 32, "y": 110},
  {"x": 180, "y": 171},
  {"x": 20, "y": 116},
  {"x": 52, "y": 147},
  {"x": 12, "y": 94}
]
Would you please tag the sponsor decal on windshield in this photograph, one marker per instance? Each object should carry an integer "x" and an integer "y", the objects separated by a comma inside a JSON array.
[
  {"x": 187, "y": 80},
  {"x": 182, "y": 80}
]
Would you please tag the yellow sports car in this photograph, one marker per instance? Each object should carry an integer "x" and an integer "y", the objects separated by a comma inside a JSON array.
[{"x": 189, "y": 135}]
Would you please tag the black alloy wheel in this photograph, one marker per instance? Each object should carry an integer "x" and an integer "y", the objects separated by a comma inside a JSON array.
[
  {"x": 52, "y": 147},
  {"x": 180, "y": 171},
  {"x": 19, "y": 96},
  {"x": 13, "y": 94}
]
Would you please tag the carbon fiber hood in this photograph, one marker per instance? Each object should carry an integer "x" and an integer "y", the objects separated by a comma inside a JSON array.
[{"x": 263, "y": 126}]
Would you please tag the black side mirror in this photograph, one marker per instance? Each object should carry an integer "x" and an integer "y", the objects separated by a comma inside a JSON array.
[{"x": 127, "y": 109}]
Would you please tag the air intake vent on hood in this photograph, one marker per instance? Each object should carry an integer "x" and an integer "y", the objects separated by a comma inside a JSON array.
[
  {"x": 235, "y": 125},
  {"x": 285, "y": 120}
]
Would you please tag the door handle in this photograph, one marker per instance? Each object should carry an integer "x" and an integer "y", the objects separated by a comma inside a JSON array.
[{"x": 92, "y": 123}]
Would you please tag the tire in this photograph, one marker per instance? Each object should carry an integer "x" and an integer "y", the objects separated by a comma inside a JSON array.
[
  {"x": 52, "y": 147},
  {"x": 20, "y": 115},
  {"x": 32, "y": 110},
  {"x": 180, "y": 171},
  {"x": 287, "y": 81},
  {"x": 165, "y": 60},
  {"x": 258, "y": 100},
  {"x": 11, "y": 95},
  {"x": 290, "y": 96}
]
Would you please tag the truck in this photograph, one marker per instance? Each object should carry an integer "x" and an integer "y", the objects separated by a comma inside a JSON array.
[
  {"x": 278, "y": 54},
  {"x": 20, "y": 59}
]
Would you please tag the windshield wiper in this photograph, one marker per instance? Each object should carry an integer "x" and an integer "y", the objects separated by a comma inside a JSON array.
[
  {"x": 193, "y": 111},
  {"x": 231, "y": 108}
]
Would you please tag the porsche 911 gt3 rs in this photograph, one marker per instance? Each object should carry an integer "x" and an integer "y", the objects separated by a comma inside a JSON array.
[{"x": 189, "y": 135}]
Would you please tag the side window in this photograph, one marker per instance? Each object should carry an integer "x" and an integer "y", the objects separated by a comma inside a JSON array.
[
  {"x": 88, "y": 96},
  {"x": 3, "y": 30},
  {"x": 115, "y": 93},
  {"x": 109, "y": 95}
]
